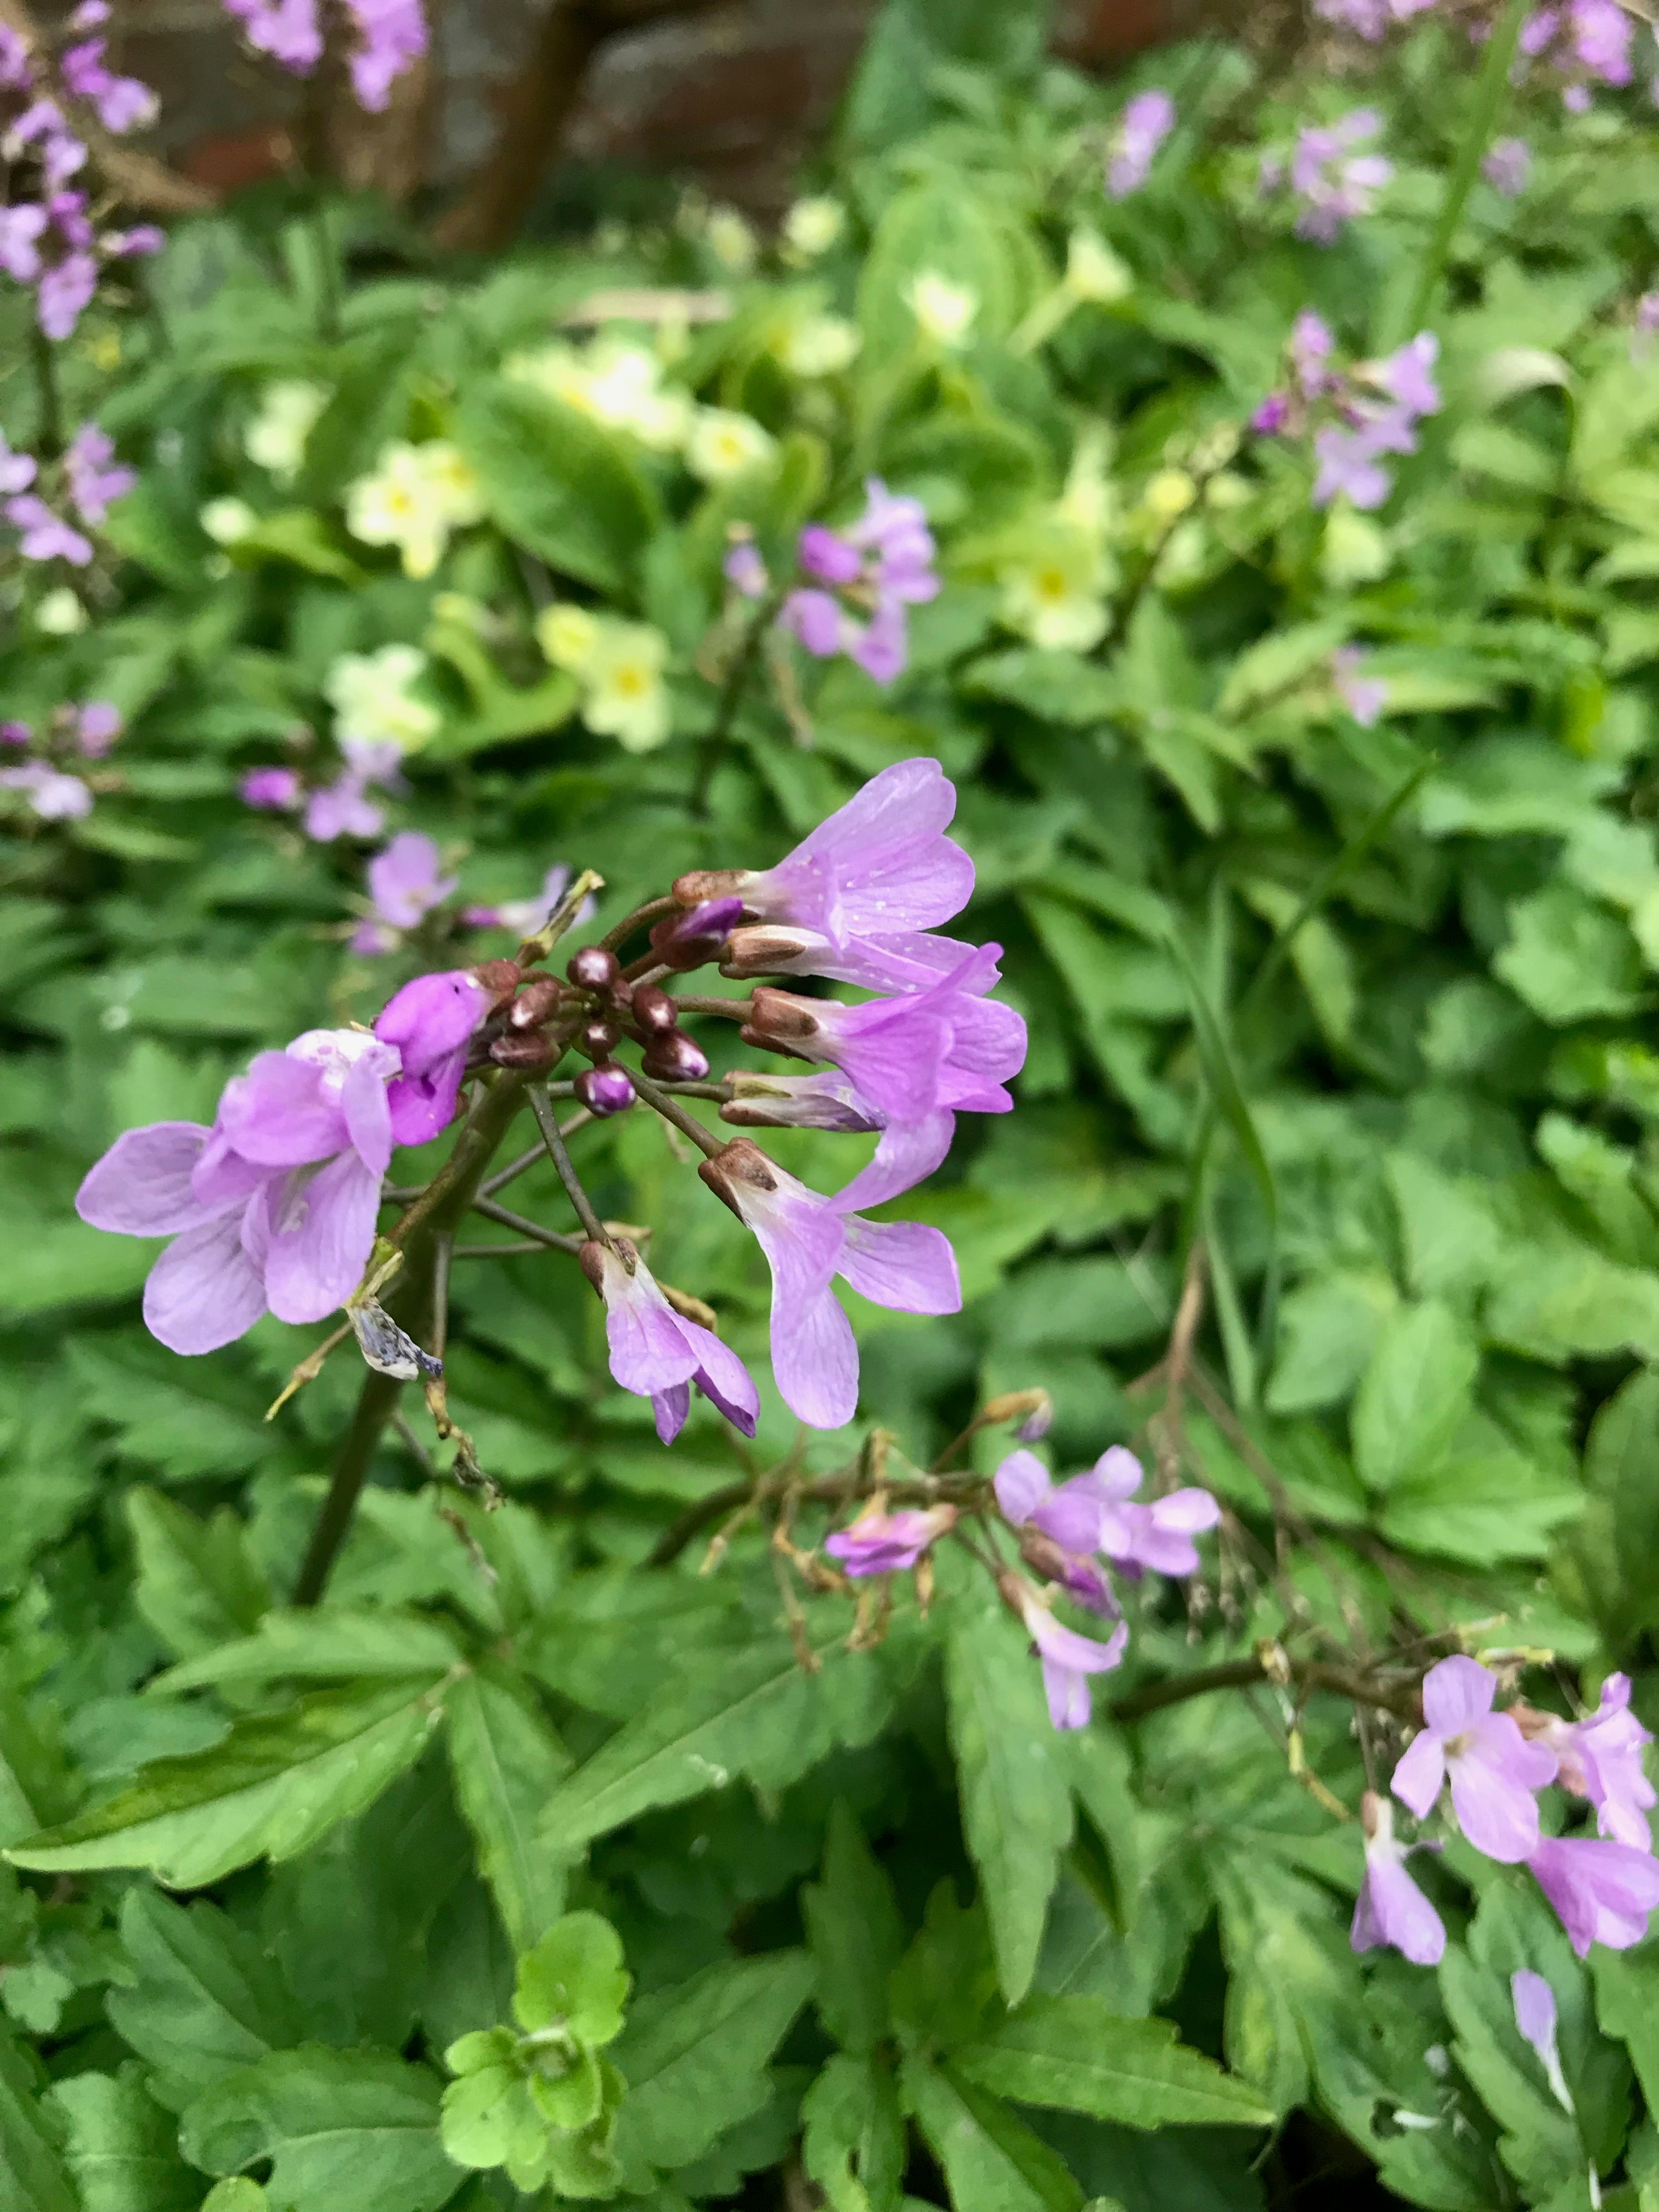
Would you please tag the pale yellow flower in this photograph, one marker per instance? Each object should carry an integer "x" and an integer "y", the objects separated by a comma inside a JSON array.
[
  {"x": 413, "y": 499},
  {"x": 566, "y": 634},
  {"x": 1053, "y": 589},
  {"x": 60, "y": 613},
  {"x": 624, "y": 695},
  {"x": 723, "y": 444},
  {"x": 812, "y": 227},
  {"x": 822, "y": 346},
  {"x": 1168, "y": 494},
  {"x": 275, "y": 440},
  {"x": 1093, "y": 272},
  {"x": 228, "y": 520},
  {"x": 372, "y": 697},
  {"x": 732, "y": 241},
  {"x": 945, "y": 312}
]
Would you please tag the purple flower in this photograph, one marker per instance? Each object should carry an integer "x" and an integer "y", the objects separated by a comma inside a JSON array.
[
  {"x": 16, "y": 733},
  {"x": 1507, "y": 165},
  {"x": 1272, "y": 416},
  {"x": 404, "y": 881},
  {"x": 287, "y": 30},
  {"x": 68, "y": 211},
  {"x": 122, "y": 104},
  {"x": 45, "y": 537},
  {"x": 1601, "y": 1759},
  {"x": 1067, "y": 1523},
  {"x": 815, "y": 620},
  {"x": 143, "y": 238},
  {"x": 273, "y": 1208},
  {"x": 16, "y": 70},
  {"x": 882, "y": 563},
  {"x": 393, "y": 35},
  {"x": 1494, "y": 1770},
  {"x": 1535, "y": 2017},
  {"x": 53, "y": 795},
  {"x": 1603, "y": 1892},
  {"x": 97, "y": 726},
  {"x": 1311, "y": 345},
  {"x": 344, "y": 809},
  {"x": 1333, "y": 184},
  {"x": 1369, "y": 19},
  {"x": 829, "y": 559},
  {"x": 808, "y": 1241},
  {"x": 1405, "y": 375},
  {"x": 1348, "y": 468},
  {"x": 1365, "y": 696},
  {"x": 1135, "y": 1537},
  {"x": 657, "y": 1353},
  {"x": 1144, "y": 123},
  {"x": 1601, "y": 33},
  {"x": 879, "y": 866},
  {"x": 277, "y": 790},
  {"x": 882, "y": 1543},
  {"x": 63, "y": 293},
  {"x": 431, "y": 1021},
  {"x": 745, "y": 571},
  {"x": 1068, "y": 1659},
  {"x": 93, "y": 484},
  {"x": 20, "y": 228},
  {"x": 17, "y": 470},
  {"x": 1390, "y": 1909}
]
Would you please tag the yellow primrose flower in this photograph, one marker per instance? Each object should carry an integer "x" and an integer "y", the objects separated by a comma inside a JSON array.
[
  {"x": 60, "y": 614},
  {"x": 567, "y": 633},
  {"x": 413, "y": 499},
  {"x": 812, "y": 227},
  {"x": 822, "y": 346},
  {"x": 228, "y": 520},
  {"x": 372, "y": 699},
  {"x": 945, "y": 312},
  {"x": 1093, "y": 272},
  {"x": 732, "y": 241},
  {"x": 624, "y": 696},
  {"x": 723, "y": 444},
  {"x": 275, "y": 440},
  {"x": 1168, "y": 494},
  {"x": 1054, "y": 591}
]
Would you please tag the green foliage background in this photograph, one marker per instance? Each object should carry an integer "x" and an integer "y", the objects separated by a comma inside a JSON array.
[{"x": 1369, "y": 1009}]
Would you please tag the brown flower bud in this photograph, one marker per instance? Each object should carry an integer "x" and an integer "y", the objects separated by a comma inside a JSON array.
[
  {"x": 594, "y": 968},
  {"x": 674, "y": 1057},
  {"x": 704, "y": 884},
  {"x": 498, "y": 977},
  {"x": 737, "y": 1164},
  {"x": 765, "y": 950},
  {"x": 598, "y": 1039},
  {"x": 591, "y": 1261},
  {"x": 539, "y": 999},
  {"x": 781, "y": 1020},
  {"x": 524, "y": 1050},
  {"x": 654, "y": 1008}
]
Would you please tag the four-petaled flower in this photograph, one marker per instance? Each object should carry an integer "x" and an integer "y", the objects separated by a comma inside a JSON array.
[{"x": 1494, "y": 1771}]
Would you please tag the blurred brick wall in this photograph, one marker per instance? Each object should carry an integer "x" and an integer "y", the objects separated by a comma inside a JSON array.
[{"x": 733, "y": 95}]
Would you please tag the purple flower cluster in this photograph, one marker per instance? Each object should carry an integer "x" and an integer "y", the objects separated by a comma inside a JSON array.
[
  {"x": 1358, "y": 415},
  {"x": 1369, "y": 19},
  {"x": 1603, "y": 1887},
  {"x": 89, "y": 485},
  {"x": 392, "y": 36},
  {"x": 1330, "y": 181},
  {"x": 54, "y": 793},
  {"x": 1586, "y": 43},
  {"x": 340, "y": 808},
  {"x": 47, "y": 238},
  {"x": 1145, "y": 123},
  {"x": 860, "y": 582}
]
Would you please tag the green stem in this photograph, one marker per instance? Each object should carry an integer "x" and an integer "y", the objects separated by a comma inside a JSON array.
[
  {"x": 50, "y": 439},
  {"x": 1491, "y": 93}
]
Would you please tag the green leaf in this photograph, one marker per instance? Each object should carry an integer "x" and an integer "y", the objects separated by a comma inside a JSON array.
[
  {"x": 1016, "y": 1806},
  {"x": 123, "y": 2150},
  {"x": 1074, "y": 2053},
  {"x": 32, "y": 2176},
  {"x": 342, "y": 2128},
  {"x": 274, "y": 1786},
  {"x": 991, "y": 2161},
  {"x": 558, "y": 482},
  {"x": 324, "y": 1643},
  {"x": 1568, "y": 958},
  {"x": 1572, "y": 1303},
  {"x": 1416, "y": 1392},
  {"x": 507, "y": 1761},
  {"x": 693, "y": 2059},
  {"x": 753, "y": 1712},
  {"x": 575, "y": 1978},
  {"x": 170, "y": 1413},
  {"x": 1327, "y": 1331},
  {"x": 1481, "y": 1501},
  {"x": 196, "y": 1586},
  {"x": 955, "y": 232},
  {"x": 205, "y": 2000},
  {"x": 857, "y": 1936},
  {"x": 853, "y": 2140}
]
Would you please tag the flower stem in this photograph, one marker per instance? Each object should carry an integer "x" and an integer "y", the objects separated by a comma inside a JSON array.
[
  {"x": 651, "y": 911},
  {"x": 376, "y": 1404},
  {"x": 672, "y": 1110},
  {"x": 548, "y": 1122}
]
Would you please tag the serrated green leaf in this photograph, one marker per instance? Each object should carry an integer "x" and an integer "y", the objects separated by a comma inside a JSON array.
[
  {"x": 991, "y": 2161},
  {"x": 205, "y": 2001},
  {"x": 1416, "y": 1392},
  {"x": 271, "y": 1787},
  {"x": 122, "y": 2148},
  {"x": 32, "y": 2175},
  {"x": 1073, "y": 2052},
  {"x": 574, "y": 1979},
  {"x": 507, "y": 1761},
  {"x": 324, "y": 1643},
  {"x": 856, "y": 1934},
  {"x": 196, "y": 1586}
]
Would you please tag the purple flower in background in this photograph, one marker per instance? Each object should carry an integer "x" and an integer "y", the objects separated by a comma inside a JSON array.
[
  {"x": 287, "y": 30},
  {"x": 1334, "y": 184},
  {"x": 1348, "y": 467},
  {"x": 1406, "y": 375},
  {"x": 122, "y": 104},
  {"x": 54, "y": 795},
  {"x": 1368, "y": 19},
  {"x": 274, "y": 790},
  {"x": 1390, "y": 1909},
  {"x": 431, "y": 1021},
  {"x": 17, "y": 470},
  {"x": 273, "y": 1208},
  {"x": 64, "y": 292},
  {"x": 1144, "y": 123},
  {"x": 1310, "y": 347},
  {"x": 808, "y": 1240},
  {"x": 1507, "y": 165},
  {"x": 68, "y": 211},
  {"x": 1272, "y": 416},
  {"x": 16, "y": 70},
  {"x": 92, "y": 484},
  {"x": 144, "y": 237},
  {"x": 97, "y": 726},
  {"x": 882, "y": 564},
  {"x": 1494, "y": 1771},
  {"x": 657, "y": 1353},
  {"x": 525, "y": 916},
  {"x": 404, "y": 884},
  {"x": 882, "y": 1543},
  {"x": 745, "y": 571},
  {"x": 46, "y": 536},
  {"x": 20, "y": 230},
  {"x": 1068, "y": 1517},
  {"x": 1365, "y": 696},
  {"x": 1535, "y": 2017},
  {"x": 1603, "y": 1892},
  {"x": 1601, "y": 1759},
  {"x": 393, "y": 36},
  {"x": 1068, "y": 1659},
  {"x": 1135, "y": 1537},
  {"x": 343, "y": 808}
]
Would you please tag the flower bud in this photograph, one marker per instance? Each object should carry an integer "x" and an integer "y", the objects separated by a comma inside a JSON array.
[
  {"x": 605, "y": 1091},
  {"x": 500, "y": 978},
  {"x": 766, "y": 949},
  {"x": 1043, "y": 1553},
  {"x": 674, "y": 1057},
  {"x": 533, "y": 1005},
  {"x": 652, "y": 1008},
  {"x": 829, "y": 1101},
  {"x": 594, "y": 968},
  {"x": 780, "y": 1022},
  {"x": 1033, "y": 1409},
  {"x": 597, "y": 1040},
  {"x": 696, "y": 937},
  {"x": 705, "y": 883},
  {"x": 741, "y": 1162},
  {"x": 525, "y": 1049}
]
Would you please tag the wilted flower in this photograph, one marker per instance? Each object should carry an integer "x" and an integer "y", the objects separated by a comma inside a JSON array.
[{"x": 882, "y": 1543}]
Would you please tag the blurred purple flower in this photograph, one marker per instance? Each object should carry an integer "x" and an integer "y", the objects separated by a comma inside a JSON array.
[
  {"x": 1068, "y": 1659},
  {"x": 1601, "y": 1759},
  {"x": 393, "y": 37},
  {"x": 97, "y": 726},
  {"x": 404, "y": 885},
  {"x": 1334, "y": 184},
  {"x": 92, "y": 484},
  {"x": 1390, "y": 1909},
  {"x": 1145, "y": 123},
  {"x": 287, "y": 30},
  {"x": 1365, "y": 696},
  {"x": 274, "y": 790},
  {"x": 63, "y": 294},
  {"x": 20, "y": 230},
  {"x": 1535, "y": 2018},
  {"x": 1604, "y": 1892},
  {"x": 54, "y": 795},
  {"x": 882, "y": 1543},
  {"x": 46, "y": 536},
  {"x": 745, "y": 571},
  {"x": 17, "y": 470},
  {"x": 1507, "y": 165}
]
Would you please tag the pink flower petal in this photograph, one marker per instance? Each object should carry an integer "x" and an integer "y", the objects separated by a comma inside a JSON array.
[
  {"x": 203, "y": 1293},
  {"x": 142, "y": 1186}
]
